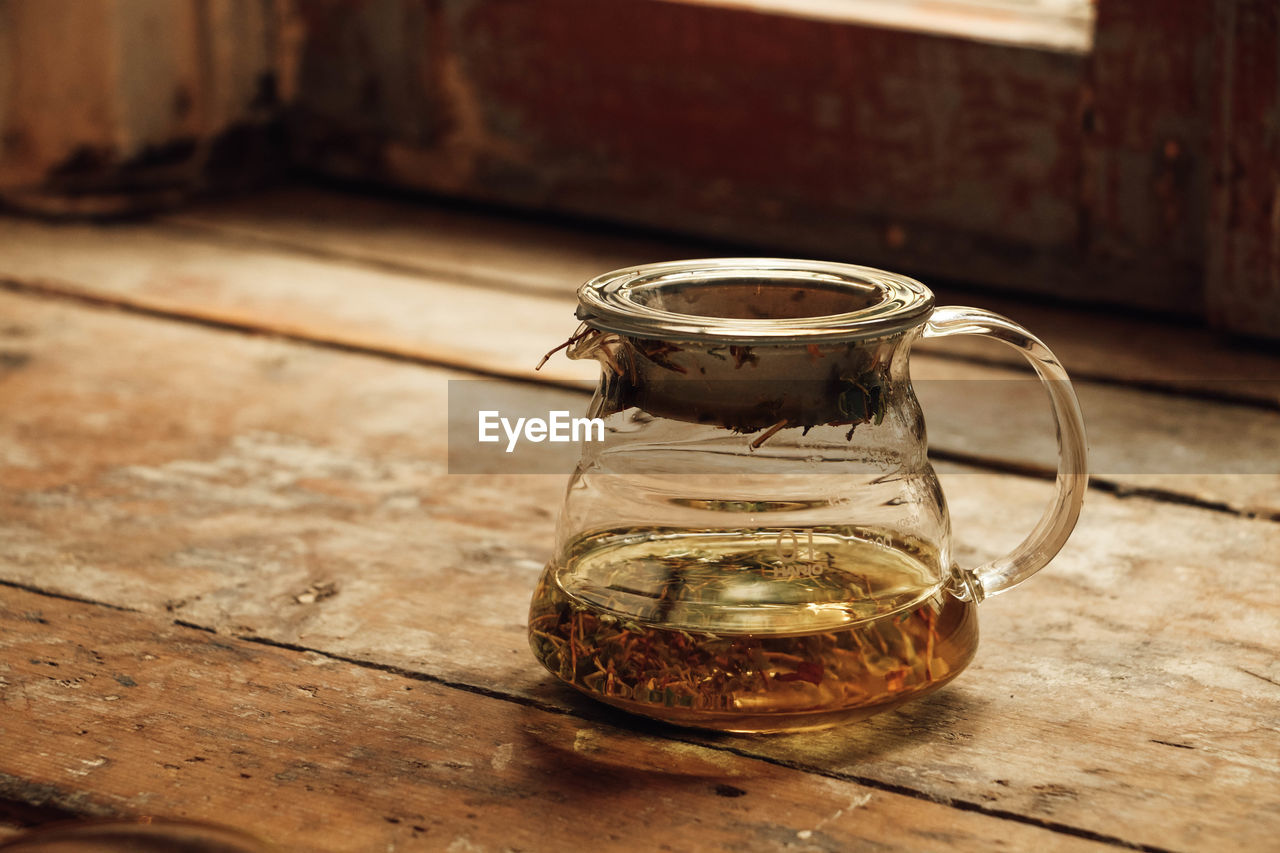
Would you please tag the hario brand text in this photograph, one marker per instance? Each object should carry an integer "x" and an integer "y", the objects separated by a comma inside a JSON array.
[{"x": 558, "y": 427}]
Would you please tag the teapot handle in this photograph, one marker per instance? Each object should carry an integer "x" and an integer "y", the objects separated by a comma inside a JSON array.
[{"x": 1060, "y": 516}]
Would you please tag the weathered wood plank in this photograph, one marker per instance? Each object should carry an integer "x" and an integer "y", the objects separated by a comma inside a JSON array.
[
  {"x": 1140, "y": 440},
  {"x": 1214, "y": 453},
  {"x": 438, "y": 321},
  {"x": 122, "y": 714},
  {"x": 434, "y": 240},
  {"x": 272, "y": 490},
  {"x": 1243, "y": 281},
  {"x": 454, "y": 245},
  {"x": 855, "y": 135},
  {"x": 845, "y": 138},
  {"x": 110, "y": 108},
  {"x": 1145, "y": 164}
]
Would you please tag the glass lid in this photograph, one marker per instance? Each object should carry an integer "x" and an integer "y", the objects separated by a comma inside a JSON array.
[{"x": 753, "y": 300}]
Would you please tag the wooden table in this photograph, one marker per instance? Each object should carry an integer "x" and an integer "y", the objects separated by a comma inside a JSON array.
[{"x": 238, "y": 583}]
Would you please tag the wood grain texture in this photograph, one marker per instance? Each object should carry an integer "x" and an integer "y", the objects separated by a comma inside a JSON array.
[
  {"x": 1146, "y": 162},
  {"x": 875, "y": 137},
  {"x": 432, "y": 319},
  {"x": 1218, "y": 454},
  {"x": 108, "y": 108},
  {"x": 1015, "y": 165},
  {"x": 844, "y": 138},
  {"x": 274, "y": 491},
  {"x": 1243, "y": 291},
  {"x": 450, "y": 303},
  {"x": 126, "y": 715},
  {"x": 35, "y": 138},
  {"x": 436, "y": 240},
  {"x": 525, "y": 254}
]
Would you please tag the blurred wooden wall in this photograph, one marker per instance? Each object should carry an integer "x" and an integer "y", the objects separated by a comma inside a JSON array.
[
  {"x": 108, "y": 106},
  {"x": 1141, "y": 171},
  {"x": 1242, "y": 284}
]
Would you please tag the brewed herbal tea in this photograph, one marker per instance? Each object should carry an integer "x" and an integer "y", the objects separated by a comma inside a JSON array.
[{"x": 750, "y": 630}]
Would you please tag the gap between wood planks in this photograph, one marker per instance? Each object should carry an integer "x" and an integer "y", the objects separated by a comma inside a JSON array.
[
  {"x": 53, "y": 290},
  {"x": 213, "y": 343},
  {"x": 237, "y": 237},
  {"x": 46, "y": 808}
]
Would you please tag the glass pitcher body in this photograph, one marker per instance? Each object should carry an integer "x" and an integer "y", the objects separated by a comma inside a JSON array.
[{"x": 760, "y": 543}]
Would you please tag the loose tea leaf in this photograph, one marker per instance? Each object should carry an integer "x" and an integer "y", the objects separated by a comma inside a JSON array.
[
  {"x": 744, "y": 389},
  {"x": 646, "y": 636}
]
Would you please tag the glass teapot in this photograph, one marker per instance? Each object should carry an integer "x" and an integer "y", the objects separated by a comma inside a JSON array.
[{"x": 759, "y": 543}]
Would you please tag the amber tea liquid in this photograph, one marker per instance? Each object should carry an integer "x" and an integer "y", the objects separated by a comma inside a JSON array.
[{"x": 750, "y": 631}]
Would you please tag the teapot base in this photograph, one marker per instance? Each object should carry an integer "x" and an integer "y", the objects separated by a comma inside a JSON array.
[
  {"x": 752, "y": 681},
  {"x": 766, "y": 723}
]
